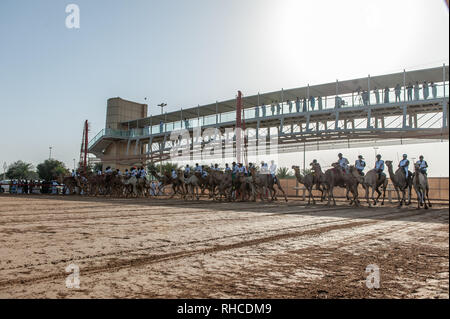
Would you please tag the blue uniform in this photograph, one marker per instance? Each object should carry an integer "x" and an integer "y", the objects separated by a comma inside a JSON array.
[{"x": 405, "y": 165}]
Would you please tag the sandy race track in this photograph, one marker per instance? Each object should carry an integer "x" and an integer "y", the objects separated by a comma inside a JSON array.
[{"x": 146, "y": 248}]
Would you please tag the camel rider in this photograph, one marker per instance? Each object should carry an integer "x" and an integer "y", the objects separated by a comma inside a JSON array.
[
  {"x": 264, "y": 168},
  {"x": 423, "y": 165},
  {"x": 204, "y": 172},
  {"x": 174, "y": 174},
  {"x": 187, "y": 170},
  {"x": 119, "y": 173},
  {"x": 404, "y": 163},
  {"x": 379, "y": 166},
  {"x": 243, "y": 169},
  {"x": 235, "y": 168},
  {"x": 99, "y": 172},
  {"x": 343, "y": 162},
  {"x": 216, "y": 167},
  {"x": 143, "y": 172},
  {"x": 134, "y": 171},
  {"x": 273, "y": 169},
  {"x": 108, "y": 170},
  {"x": 198, "y": 168},
  {"x": 360, "y": 165},
  {"x": 227, "y": 168},
  {"x": 74, "y": 174},
  {"x": 127, "y": 173}
]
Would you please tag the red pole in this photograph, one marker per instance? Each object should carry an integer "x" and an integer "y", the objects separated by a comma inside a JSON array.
[{"x": 238, "y": 127}]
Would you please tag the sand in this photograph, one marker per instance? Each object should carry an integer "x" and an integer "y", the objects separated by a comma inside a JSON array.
[{"x": 161, "y": 248}]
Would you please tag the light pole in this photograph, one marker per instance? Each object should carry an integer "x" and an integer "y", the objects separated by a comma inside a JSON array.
[
  {"x": 162, "y": 105},
  {"x": 74, "y": 164},
  {"x": 4, "y": 170},
  {"x": 50, "y": 152},
  {"x": 375, "y": 149}
]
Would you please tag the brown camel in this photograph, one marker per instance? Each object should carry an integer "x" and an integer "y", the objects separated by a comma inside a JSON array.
[
  {"x": 371, "y": 181},
  {"x": 337, "y": 177},
  {"x": 401, "y": 183},
  {"x": 420, "y": 183},
  {"x": 308, "y": 181}
]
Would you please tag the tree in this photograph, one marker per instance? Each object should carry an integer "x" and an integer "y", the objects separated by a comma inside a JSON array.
[
  {"x": 166, "y": 167},
  {"x": 283, "y": 172},
  {"x": 51, "y": 169},
  {"x": 20, "y": 170}
]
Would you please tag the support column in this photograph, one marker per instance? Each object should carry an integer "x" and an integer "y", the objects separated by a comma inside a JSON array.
[
  {"x": 128, "y": 147},
  {"x": 336, "y": 123},
  {"x": 405, "y": 106},
  {"x": 136, "y": 147},
  {"x": 308, "y": 118},
  {"x": 369, "y": 117}
]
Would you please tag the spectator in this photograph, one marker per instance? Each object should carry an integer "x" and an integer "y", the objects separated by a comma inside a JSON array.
[
  {"x": 305, "y": 105},
  {"x": 416, "y": 91},
  {"x": 257, "y": 111},
  {"x": 409, "y": 90},
  {"x": 272, "y": 108},
  {"x": 297, "y": 105},
  {"x": 377, "y": 95},
  {"x": 398, "y": 91},
  {"x": 263, "y": 110},
  {"x": 319, "y": 100},
  {"x": 365, "y": 98},
  {"x": 312, "y": 102},
  {"x": 426, "y": 91},
  {"x": 386, "y": 95},
  {"x": 290, "y": 105},
  {"x": 434, "y": 90}
]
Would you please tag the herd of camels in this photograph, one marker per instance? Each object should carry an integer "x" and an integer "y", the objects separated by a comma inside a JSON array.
[{"x": 240, "y": 187}]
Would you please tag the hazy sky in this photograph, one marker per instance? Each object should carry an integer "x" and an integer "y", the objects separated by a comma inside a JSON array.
[{"x": 191, "y": 52}]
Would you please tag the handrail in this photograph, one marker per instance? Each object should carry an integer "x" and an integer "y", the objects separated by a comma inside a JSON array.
[{"x": 291, "y": 107}]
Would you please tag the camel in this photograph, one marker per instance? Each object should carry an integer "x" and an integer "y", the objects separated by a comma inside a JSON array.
[
  {"x": 401, "y": 183},
  {"x": 193, "y": 184},
  {"x": 371, "y": 180},
  {"x": 420, "y": 183},
  {"x": 69, "y": 183},
  {"x": 225, "y": 187},
  {"x": 272, "y": 181},
  {"x": 308, "y": 181},
  {"x": 259, "y": 184},
  {"x": 337, "y": 177}
]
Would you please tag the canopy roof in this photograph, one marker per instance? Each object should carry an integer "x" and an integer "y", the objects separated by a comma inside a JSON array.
[{"x": 330, "y": 89}]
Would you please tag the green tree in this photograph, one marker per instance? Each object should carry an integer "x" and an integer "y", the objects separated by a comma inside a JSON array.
[
  {"x": 166, "y": 167},
  {"x": 20, "y": 170},
  {"x": 283, "y": 172},
  {"x": 51, "y": 169},
  {"x": 306, "y": 171}
]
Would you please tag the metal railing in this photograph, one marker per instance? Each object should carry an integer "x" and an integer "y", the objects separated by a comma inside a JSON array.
[{"x": 291, "y": 107}]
